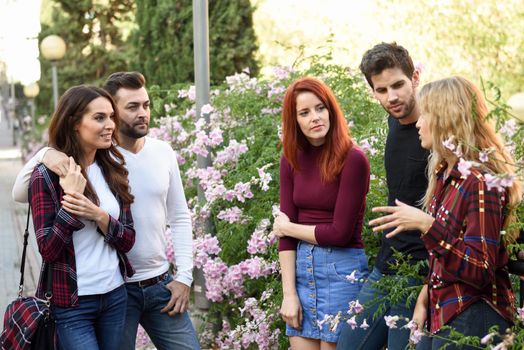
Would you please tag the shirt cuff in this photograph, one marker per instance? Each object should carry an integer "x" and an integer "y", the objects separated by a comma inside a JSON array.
[
  {"x": 69, "y": 221},
  {"x": 184, "y": 277},
  {"x": 432, "y": 238},
  {"x": 287, "y": 243}
]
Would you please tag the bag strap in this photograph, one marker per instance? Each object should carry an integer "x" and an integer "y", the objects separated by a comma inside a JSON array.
[
  {"x": 24, "y": 252},
  {"x": 48, "y": 293}
]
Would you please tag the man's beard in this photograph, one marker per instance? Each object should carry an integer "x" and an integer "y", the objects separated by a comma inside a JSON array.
[
  {"x": 410, "y": 106},
  {"x": 131, "y": 132}
]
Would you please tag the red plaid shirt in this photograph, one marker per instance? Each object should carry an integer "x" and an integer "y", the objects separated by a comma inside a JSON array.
[
  {"x": 466, "y": 256},
  {"x": 54, "y": 228}
]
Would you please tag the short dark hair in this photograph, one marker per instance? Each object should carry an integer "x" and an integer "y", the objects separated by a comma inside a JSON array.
[
  {"x": 383, "y": 56},
  {"x": 126, "y": 80}
]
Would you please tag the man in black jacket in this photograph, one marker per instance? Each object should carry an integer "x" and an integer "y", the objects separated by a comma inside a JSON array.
[{"x": 390, "y": 72}]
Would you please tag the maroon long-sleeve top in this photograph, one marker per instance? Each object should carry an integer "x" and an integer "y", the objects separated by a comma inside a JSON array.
[{"x": 336, "y": 209}]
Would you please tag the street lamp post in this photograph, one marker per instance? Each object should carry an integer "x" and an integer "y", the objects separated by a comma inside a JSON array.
[
  {"x": 201, "y": 61},
  {"x": 31, "y": 91},
  {"x": 53, "y": 49}
]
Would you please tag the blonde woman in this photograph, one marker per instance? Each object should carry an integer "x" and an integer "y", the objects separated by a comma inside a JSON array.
[{"x": 465, "y": 211}]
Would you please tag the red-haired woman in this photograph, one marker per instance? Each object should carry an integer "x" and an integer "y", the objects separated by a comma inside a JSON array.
[{"x": 324, "y": 179}]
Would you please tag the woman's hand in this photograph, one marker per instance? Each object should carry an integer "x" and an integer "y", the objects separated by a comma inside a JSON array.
[
  {"x": 403, "y": 217},
  {"x": 291, "y": 311},
  {"x": 78, "y": 204},
  {"x": 278, "y": 226},
  {"x": 73, "y": 181}
]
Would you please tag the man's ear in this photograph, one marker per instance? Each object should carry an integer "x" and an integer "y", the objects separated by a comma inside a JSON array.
[{"x": 415, "y": 79}]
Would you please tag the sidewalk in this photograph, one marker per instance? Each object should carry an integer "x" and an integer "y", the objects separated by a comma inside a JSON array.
[{"x": 12, "y": 225}]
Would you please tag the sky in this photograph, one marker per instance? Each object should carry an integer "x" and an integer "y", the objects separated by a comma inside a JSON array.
[
  {"x": 19, "y": 28},
  {"x": 20, "y": 25}
]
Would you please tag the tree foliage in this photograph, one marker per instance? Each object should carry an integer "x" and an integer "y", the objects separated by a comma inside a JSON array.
[
  {"x": 94, "y": 32},
  {"x": 477, "y": 39},
  {"x": 163, "y": 41}
]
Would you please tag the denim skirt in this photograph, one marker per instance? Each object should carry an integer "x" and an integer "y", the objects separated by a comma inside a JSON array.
[{"x": 324, "y": 289}]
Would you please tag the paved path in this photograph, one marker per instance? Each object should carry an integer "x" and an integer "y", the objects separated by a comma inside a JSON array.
[{"x": 12, "y": 224}]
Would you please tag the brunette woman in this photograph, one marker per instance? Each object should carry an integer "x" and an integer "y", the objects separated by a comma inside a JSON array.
[{"x": 83, "y": 223}]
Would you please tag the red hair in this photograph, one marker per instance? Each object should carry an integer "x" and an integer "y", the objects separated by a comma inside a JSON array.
[{"x": 338, "y": 140}]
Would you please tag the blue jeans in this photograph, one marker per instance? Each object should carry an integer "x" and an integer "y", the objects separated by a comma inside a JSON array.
[
  {"x": 378, "y": 334},
  {"x": 474, "y": 321},
  {"x": 97, "y": 323},
  {"x": 166, "y": 332}
]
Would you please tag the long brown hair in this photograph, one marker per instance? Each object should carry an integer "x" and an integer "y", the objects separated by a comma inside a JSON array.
[
  {"x": 338, "y": 141},
  {"x": 69, "y": 112},
  {"x": 455, "y": 107}
]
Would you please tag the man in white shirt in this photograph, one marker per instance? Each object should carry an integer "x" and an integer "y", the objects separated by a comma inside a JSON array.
[{"x": 156, "y": 300}]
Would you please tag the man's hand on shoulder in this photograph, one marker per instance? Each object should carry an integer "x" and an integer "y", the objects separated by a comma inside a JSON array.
[
  {"x": 56, "y": 161},
  {"x": 179, "y": 298}
]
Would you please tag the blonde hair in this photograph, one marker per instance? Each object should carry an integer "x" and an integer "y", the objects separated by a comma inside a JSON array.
[{"x": 455, "y": 108}]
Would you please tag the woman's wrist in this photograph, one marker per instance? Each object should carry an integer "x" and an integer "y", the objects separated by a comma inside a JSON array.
[
  {"x": 427, "y": 225},
  {"x": 290, "y": 294},
  {"x": 101, "y": 216}
]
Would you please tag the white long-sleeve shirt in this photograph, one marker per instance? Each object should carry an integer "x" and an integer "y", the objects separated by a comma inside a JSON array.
[{"x": 160, "y": 202}]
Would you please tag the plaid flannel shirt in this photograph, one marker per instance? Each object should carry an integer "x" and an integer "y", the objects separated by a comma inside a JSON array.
[
  {"x": 54, "y": 228},
  {"x": 467, "y": 258}
]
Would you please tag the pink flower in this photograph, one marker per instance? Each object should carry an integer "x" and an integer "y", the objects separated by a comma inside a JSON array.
[
  {"x": 509, "y": 128},
  {"x": 282, "y": 72},
  {"x": 259, "y": 240},
  {"x": 364, "y": 324},
  {"x": 464, "y": 167},
  {"x": 520, "y": 313},
  {"x": 483, "y": 156},
  {"x": 206, "y": 109},
  {"x": 230, "y": 215},
  {"x": 355, "y": 307},
  {"x": 507, "y": 180},
  {"x": 487, "y": 338},
  {"x": 412, "y": 325},
  {"x": 351, "y": 278},
  {"x": 416, "y": 336},
  {"x": 352, "y": 322},
  {"x": 391, "y": 321},
  {"x": 449, "y": 144},
  {"x": 327, "y": 318},
  {"x": 493, "y": 181},
  {"x": 500, "y": 182},
  {"x": 191, "y": 93}
]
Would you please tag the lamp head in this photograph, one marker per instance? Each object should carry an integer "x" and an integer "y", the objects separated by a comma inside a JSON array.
[
  {"x": 53, "y": 48},
  {"x": 31, "y": 90}
]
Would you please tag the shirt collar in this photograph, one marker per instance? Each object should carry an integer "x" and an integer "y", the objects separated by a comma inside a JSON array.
[{"x": 455, "y": 173}]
